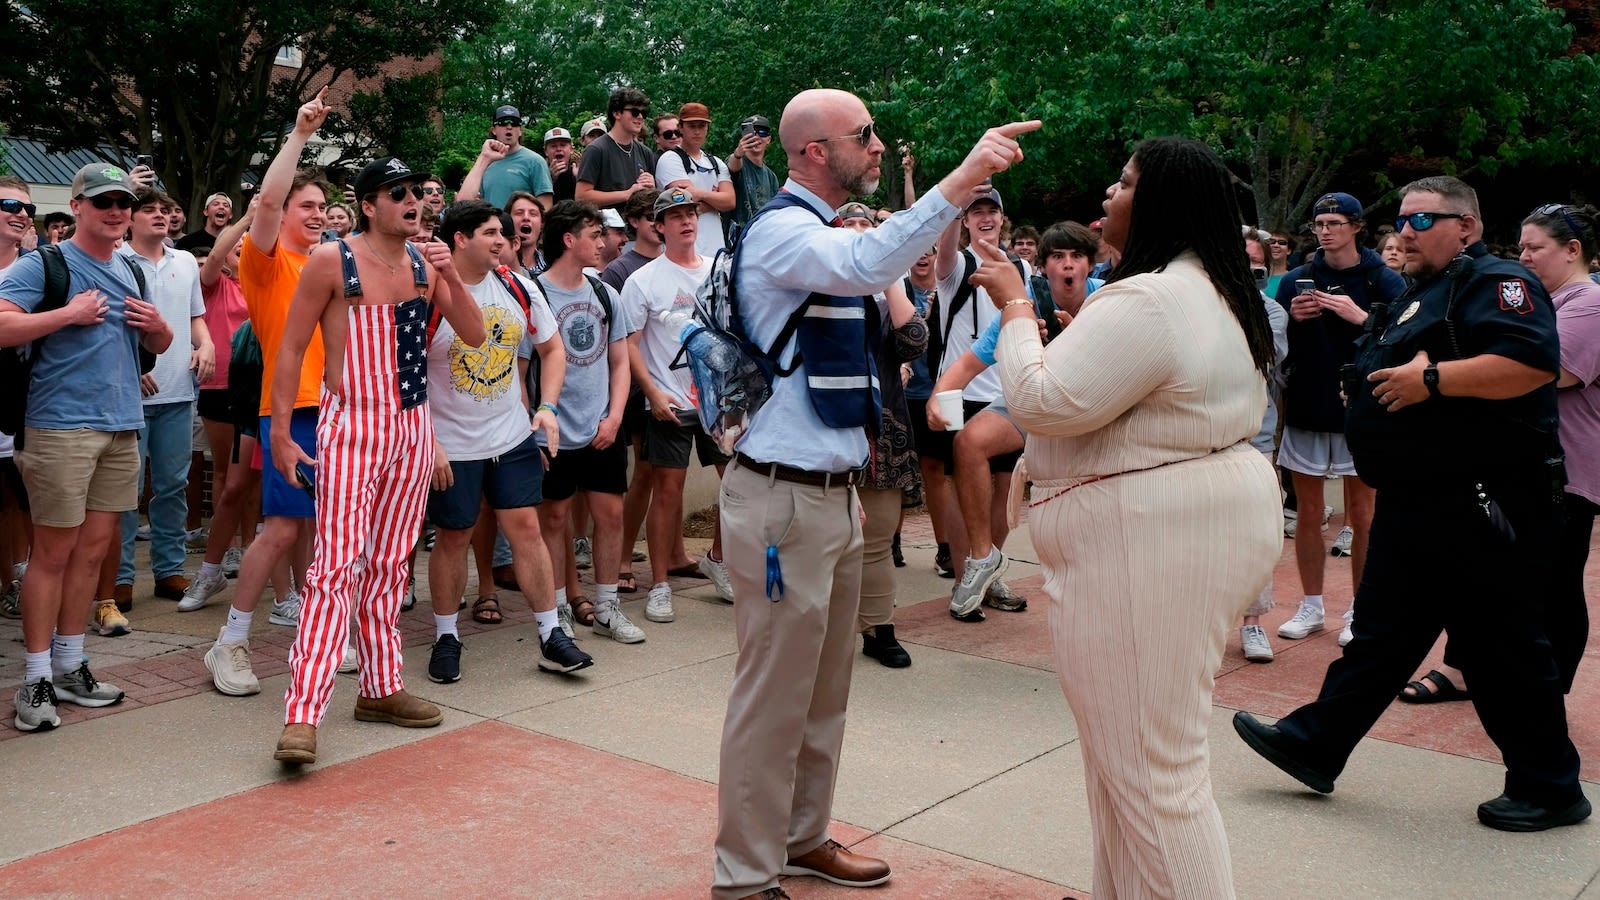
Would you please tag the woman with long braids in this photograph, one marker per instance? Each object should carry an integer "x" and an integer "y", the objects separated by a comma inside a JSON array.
[{"x": 1155, "y": 520}]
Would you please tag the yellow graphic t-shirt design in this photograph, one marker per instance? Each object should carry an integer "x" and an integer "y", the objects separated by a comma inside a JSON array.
[{"x": 485, "y": 373}]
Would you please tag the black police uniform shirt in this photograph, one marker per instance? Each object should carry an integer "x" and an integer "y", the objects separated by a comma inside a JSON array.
[
  {"x": 1442, "y": 442},
  {"x": 1318, "y": 347}
]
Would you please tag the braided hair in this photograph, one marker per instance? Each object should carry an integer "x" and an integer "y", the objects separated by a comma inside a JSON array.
[{"x": 1184, "y": 201}]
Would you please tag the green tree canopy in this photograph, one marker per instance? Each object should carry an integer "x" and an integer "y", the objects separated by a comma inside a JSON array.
[{"x": 194, "y": 84}]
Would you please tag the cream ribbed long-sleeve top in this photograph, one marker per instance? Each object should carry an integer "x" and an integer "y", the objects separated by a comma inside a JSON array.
[{"x": 1153, "y": 370}]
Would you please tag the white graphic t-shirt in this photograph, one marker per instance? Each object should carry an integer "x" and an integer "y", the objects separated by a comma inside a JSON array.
[
  {"x": 474, "y": 392},
  {"x": 657, "y": 289}
]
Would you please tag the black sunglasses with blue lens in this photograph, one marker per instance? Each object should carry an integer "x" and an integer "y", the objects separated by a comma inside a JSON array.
[
  {"x": 12, "y": 207},
  {"x": 1422, "y": 221}
]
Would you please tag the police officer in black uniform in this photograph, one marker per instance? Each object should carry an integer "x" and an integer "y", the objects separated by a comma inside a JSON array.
[{"x": 1452, "y": 417}]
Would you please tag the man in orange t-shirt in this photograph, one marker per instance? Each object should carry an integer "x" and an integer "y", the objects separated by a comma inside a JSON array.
[{"x": 288, "y": 224}]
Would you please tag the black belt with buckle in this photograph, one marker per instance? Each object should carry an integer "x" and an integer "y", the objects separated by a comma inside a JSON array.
[{"x": 800, "y": 476}]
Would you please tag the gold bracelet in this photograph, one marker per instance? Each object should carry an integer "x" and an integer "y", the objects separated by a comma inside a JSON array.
[{"x": 1011, "y": 303}]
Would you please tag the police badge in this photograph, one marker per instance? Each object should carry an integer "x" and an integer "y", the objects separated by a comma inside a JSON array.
[{"x": 1514, "y": 297}]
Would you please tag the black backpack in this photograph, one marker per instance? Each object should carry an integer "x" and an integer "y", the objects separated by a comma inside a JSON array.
[
  {"x": 939, "y": 332},
  {"x": 689, "y": 165},
  {"x": 16, "y": 363}
]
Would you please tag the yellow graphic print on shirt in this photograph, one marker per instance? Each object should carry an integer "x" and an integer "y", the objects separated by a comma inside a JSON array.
[{"x": 486, "y": 373}]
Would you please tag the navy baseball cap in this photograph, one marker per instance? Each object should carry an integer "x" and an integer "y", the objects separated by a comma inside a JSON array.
[{"x": 1337, "y": 204}]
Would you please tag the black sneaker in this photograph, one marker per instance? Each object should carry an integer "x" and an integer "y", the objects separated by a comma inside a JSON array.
[
  {"x": 560, "y": 654},
  {"x": 942, "y": 563},
  {"x": 879, "y": 643},
  {"x": 444, "y": 664},
  {"x": 899, "y": 558}
]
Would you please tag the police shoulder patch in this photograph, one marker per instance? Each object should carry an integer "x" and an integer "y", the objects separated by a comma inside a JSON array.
[{"x": 1514, "y": 297}]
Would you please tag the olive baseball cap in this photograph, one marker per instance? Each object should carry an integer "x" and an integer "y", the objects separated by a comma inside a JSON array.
[
  {"x": 101, "y": 178},
  {"x": 671, "y": 198}
]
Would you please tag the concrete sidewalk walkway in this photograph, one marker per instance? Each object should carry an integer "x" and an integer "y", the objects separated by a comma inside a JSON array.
[{"x": 961, "y": 771}]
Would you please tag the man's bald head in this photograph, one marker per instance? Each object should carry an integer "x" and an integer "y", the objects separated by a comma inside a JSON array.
[{"x": 816, "y": 114}]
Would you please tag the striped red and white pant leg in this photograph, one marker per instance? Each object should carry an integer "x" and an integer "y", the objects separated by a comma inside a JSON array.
[{"x": 401, "y": 498}]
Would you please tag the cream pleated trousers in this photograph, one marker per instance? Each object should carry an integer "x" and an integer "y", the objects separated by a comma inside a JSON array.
[{"x": 1146, "y": 573}]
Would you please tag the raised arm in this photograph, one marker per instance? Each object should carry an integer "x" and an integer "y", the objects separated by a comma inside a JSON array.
[
  {"x": 211, "y": 267},
  {"x": 274, "y": 190},
  {"x": 472, "y": 185}
]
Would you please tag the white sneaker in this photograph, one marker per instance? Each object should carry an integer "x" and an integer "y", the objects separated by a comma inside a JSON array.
[
  {"x": 349, "y": 662},
  {"x": 975, "y": 580},
  {"x": 194, "y": 541},
  {"x": 582, "y": 553},
  {"x": 286, "y": 611},
  {"x": 718, "y": 573},
  {"x": 567, "y": 622},
  {"x": 1345, "y": 634},
  {"x": 1291, "y": 518},
  {"x": 659, "y": 607},
  {"x": 1307, "y": 620},
  {"x": 1341, "y": 543},
  {"x": 230, "y": 562},
  {"x": 200, "y": 590},
  {"x": 610, "y": 622},
  {"x": 1256, "y": 646},
  {"x": 409, "y": 601},
  {"x": 230, "y": 668}
]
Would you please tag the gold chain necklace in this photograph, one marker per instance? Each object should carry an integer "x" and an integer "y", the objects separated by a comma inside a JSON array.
[{"x": 370, "y": 249}]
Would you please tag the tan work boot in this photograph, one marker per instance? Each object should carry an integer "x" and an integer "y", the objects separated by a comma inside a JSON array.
[
  {"x": 297, "y": 746},
  {"x": 399, "y": 708}
]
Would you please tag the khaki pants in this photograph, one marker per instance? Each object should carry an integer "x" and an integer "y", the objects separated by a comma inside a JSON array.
[
  {"x": 878, "y": 586},
  {"x": 786, "y": 710}
]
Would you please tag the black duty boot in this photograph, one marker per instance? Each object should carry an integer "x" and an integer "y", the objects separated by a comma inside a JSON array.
[{"x": 878, "y": 642}]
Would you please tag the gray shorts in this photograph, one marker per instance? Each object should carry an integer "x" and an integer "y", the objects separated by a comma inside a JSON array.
[{"x": 1315, "y": 453}]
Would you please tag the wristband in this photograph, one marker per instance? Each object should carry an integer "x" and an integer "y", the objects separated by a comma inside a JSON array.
[{"x": 549, "y": 406}]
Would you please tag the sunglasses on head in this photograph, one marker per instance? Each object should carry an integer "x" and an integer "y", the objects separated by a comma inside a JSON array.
[
  {"x": 1422, "y": 221},
  {"x": 634, "y": 110},
  {"x": 1549, "y": 209},
  {"x": 397, "y": 192},
  {"x": 120, "y": 201},
  {"x": 12, "y": 207},
  {"x": 515, "y": 123},
  {"x": 671, "y": 134},
  {"x": 862, "y": 137}
]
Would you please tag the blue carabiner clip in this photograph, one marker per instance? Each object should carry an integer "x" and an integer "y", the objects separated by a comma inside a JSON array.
[{"x": 774, "y": 574}]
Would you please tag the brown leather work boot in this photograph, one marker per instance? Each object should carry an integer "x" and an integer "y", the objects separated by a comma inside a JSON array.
[
  {"x": 171, "y": 587},
  {"x": 297, "y": 746},
  {"x": 123, "y": 594},
  {"x": 832, "y": 862},
  {"x": 399, "y": 708}
]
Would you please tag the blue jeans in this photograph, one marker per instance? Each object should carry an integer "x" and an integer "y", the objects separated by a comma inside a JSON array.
[{"x": 166, "y": 441}]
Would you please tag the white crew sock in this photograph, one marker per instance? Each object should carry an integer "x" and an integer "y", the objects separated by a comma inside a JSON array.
[
  {"x": 548, "y": 622},
  {"x": 66, "y": 653},
  {"x": 237, "y": 628},
  {"x": 443, "y": 625},
  {"x": 1314, "y": 601},
  {"x": 605, "y": 595},
  {"x": 36, "y": 666},
  {"x": 210, "y": 570}
]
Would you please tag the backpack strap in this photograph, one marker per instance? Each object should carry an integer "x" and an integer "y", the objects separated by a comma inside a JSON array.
[
  {"x": 689, "y": 164},
  {"x": 782, "y": 200},
  {"x": 603, "y": 296},
  {"x": 56, "y": 280}
]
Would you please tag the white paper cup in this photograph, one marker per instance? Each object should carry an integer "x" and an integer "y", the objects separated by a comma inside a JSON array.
[{"x": 951, "y": 408}]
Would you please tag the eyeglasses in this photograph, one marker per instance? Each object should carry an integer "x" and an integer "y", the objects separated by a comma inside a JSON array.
[
  {"x": 12, "y": 207},
  {"x": 120, "y": 201},
  {"x": 671, "y": 134},
  {"x": 515, "y": 123},
  {"x": 397, "y": 193},
  {"x": 862, "y": 137},
  {"x": 1549, "y": 209},
  {"x": 1422, "y": 221},
  {"x": 1326, "y": 226},
  {"x": 634, "y": 110},
  {"x": 430, "y": 191}
]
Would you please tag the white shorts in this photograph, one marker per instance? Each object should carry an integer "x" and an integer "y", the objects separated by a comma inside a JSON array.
[{"x": 1315, "y": 453}]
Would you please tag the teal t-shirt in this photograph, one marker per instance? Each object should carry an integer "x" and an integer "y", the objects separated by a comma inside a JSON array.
[{"x": 521, "y": 170}]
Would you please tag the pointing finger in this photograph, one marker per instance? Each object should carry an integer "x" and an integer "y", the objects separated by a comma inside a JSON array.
[{"x": 1015, "y": 128}]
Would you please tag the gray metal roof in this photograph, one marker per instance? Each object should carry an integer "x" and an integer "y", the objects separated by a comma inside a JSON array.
[{"x": 34, "y": 163}]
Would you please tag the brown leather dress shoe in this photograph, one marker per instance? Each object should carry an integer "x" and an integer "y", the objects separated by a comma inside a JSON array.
[
  {"x": 297, "y": 746},
  {"x": 123, "y": 594},
  {"x": 399, "y": 708},
  {"x": 171, "y": 587},
  {"x": 832, "y": 862}
]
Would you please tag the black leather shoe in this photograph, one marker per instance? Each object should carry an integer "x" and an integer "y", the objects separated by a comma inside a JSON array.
[
  {"x": 1506, "y": 814},
  {"x": 879, "y": 643},
  {"x": 1265, "y": 740}
]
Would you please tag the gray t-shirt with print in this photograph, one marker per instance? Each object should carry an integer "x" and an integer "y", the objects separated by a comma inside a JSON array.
[{"x": 586, "y": 390}]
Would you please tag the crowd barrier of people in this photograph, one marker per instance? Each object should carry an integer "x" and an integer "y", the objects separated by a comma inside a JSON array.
[{"x": 399, "y": 366}]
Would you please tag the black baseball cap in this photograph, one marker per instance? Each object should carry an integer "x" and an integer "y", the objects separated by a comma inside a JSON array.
[
  {"x": 508, "y": 112},
  {"x": 384, "y": 171}
]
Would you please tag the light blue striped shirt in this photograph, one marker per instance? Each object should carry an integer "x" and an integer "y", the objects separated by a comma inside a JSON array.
[{"x": 789, "y": 255}]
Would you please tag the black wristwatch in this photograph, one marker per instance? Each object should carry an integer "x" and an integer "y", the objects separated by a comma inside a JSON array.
[{"x": 1430, "y": 378}]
